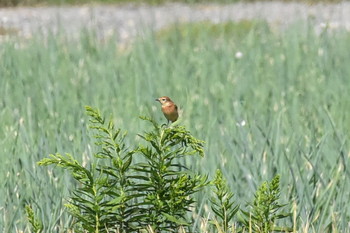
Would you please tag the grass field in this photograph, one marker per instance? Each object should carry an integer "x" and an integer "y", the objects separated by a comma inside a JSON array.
[{"x": 266, "y": 102}]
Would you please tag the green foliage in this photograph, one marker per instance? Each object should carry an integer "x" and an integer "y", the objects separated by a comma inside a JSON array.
[
  {"x": 100, "y": 202},
  {"x": 261, "y": 215},
  {"x": 280, "y": 107},
  {"x": 265, "y": 209},
  {"x": 222, "y": 204},
  {"x": 168, "y": 185},
  {"x": 36, "y": 224},
  {"x": 115, "y": 194},
  {"x": 116, "y": 175}
]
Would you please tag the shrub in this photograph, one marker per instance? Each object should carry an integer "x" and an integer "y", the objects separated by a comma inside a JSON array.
[
  {"x": 116, "y": 194},
  {"x": 155, "y": 193}
]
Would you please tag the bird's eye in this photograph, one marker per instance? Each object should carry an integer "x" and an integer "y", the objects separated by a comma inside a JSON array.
[{"x": 163, "y": 99}]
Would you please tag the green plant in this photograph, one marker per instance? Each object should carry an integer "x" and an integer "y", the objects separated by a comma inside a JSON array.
[
  {"x": 168, "y": 184},
  {"x": 222, "y": 204},
  {"x": 286, "y": 112},
  {"x": 265, "y": 209},
  {"x": 115, "y": 194},
  {"x": 34, "y": 221},
  {"x": 101, "y": 201}
]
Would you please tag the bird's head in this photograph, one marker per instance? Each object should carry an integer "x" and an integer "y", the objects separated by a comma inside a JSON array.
[{"x": 163, "y": 100}]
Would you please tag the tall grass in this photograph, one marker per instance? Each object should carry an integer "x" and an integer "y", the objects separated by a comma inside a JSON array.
[{"x": 264, "y": 101}]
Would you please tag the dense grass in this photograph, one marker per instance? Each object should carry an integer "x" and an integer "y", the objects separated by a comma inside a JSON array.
[{"x": 265, "y": 102}]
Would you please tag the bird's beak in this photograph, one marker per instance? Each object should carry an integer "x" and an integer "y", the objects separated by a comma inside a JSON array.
[{"x": 157, "y": 100}]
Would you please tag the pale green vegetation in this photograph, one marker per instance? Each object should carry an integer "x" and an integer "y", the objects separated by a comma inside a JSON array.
[{"x": 266, "y": 102}]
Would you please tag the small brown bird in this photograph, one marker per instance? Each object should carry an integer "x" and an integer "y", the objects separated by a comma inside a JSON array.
[{"x": 169, "y": 108}]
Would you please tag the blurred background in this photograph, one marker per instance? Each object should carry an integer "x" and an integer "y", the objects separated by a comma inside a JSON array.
[
  {"x": 264, "y": 84},
  {"x": 56, "y": 2}
]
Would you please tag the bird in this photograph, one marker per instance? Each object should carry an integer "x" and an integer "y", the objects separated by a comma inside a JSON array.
[{"x": 169, "y": 108}]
